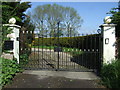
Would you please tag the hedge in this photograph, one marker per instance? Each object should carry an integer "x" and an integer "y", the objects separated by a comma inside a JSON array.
[{"x": 81, "y": 42}]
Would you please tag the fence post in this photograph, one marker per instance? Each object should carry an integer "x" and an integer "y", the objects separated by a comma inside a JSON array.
[
  {"x": 109, "y": 41},
  {"x": 14, "y": 36}
]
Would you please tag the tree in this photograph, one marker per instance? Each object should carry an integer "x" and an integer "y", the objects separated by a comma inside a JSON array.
[
  {"x": 116, "y": 18},
  {"x": 14, "y": 9},
  {"x": 46, "y": 18}
]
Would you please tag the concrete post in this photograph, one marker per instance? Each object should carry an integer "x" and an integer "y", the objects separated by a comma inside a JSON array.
[{"x": 108, "y": 32}]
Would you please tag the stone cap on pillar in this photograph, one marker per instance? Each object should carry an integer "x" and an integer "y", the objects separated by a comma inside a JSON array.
[
  {"x": 12, "y": 22},
  {"x": 12, "y": 25},
  {"x": 108, "y": 25}
]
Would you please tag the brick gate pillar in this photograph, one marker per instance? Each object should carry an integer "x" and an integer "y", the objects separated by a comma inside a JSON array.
[
  {"x": 109, "y": 40},
  {"x": 14, "y": 36}
]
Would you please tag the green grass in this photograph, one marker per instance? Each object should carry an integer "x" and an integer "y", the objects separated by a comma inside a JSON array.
[{"x": 72, "y": 51}]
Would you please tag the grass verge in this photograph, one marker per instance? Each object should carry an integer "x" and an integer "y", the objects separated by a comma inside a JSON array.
[{"x": 73, "y": 51}]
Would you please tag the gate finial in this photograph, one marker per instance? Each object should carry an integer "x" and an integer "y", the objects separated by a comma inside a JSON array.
[{"x": 107, "y": 20}]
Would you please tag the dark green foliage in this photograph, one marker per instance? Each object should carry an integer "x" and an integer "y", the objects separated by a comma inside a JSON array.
[
  {"x": 81, "y": 42},
  {"x": 14, "y": 9},
  {"x": 110, "y": 74},
  {"x": 9, "y": 69},
  {"x": 23, "y": 59},
  {"x": 116, "y": 18}
]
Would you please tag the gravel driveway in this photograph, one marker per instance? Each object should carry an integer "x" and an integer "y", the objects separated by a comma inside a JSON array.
[{"x": 48, "y": 59}]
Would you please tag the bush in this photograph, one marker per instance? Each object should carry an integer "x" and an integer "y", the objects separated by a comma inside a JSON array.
[
  {"x": 9, "y": 69},
  {"x": 110, "y": 74},
  {"x": 23, "y": 59}
]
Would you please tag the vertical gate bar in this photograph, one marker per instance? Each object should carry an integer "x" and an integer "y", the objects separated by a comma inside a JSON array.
[
  {"x": 70, "y": 44},
  {"x": 93, "y": 52},
  {"x": 76, "y": 47},
  {"x": 84, "y": 44},
  {"x": 51, "y": 49},
  {"x": 19, "y": 44},
  {"x": 96, "y": 53},
  {"x": 49, "y": 46},
  {"x": 58, "y": 44},
  {"x": 62, "y": 63},
  {"x": 82, "y": 48},
  {"x": 42, "y": 47},
  {"x": 87, "y": 50},
  {"x": 100, "y": 61},
  {"x": 22, "y": 35},
  {"x": 34, "y": 50},
  {"x": 54, "y": 45},
  {"x": 47, "y": 50},
  {"x": 78, "y": 51},
  {"x": 38, "y": 51},
  {"x": 89, "y": 41},
  {"x": 99, "y": 41},
  {"x": 70, "y": 36},
  {"x": 68, "y": 50},
  {"x": 21, "y": 48},
  {"x": 90, "y": 47},
  {"x": 70, "y": 47},
  {"x": 29, "y": 43},
  {"x": 25, "y": 45},
  {"x": 87, "y": 53},
  {"x": 86, "y": 36},
  {"x": 26, "y": 48},
  {"x": 98, "y": 38},
  {"x": 73, "y": 52},
  {"x": 101, "y": 50},
  {"x": 65, "y": 56}
]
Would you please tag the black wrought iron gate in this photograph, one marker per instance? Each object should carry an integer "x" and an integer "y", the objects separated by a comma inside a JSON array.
[{"x": 77, "y": 52}]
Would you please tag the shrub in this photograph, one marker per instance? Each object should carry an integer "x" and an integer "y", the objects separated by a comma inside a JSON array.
[
  {"x": 110, "y": 74},
  {"x": 9, "y": 69},
  {"x": 23, "y": 59}
]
